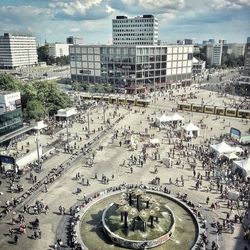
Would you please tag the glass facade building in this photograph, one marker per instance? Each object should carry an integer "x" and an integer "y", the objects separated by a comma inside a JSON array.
[
  {"x": 10, "y": 121},
  {"x": 131, "y": 65},
  {"x": 10, "y": 112}
]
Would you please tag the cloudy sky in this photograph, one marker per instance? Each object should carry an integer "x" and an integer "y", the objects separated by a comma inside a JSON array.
[{"x": 54, "y": 20}]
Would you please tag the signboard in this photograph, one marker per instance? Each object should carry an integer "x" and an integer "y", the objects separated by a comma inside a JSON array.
[
  {"x": 18, "y": 103},
  {"x": 10, "y": 101},
  {"x": 235, "y": 133}
]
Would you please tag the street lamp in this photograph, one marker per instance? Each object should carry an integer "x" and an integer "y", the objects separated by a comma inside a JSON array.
[
  {"x": 67, "y": 131},
  {"x": 104, "y": 112},
  {"x": 37, "y": 149},
  {"x": 88, "y": 121}
]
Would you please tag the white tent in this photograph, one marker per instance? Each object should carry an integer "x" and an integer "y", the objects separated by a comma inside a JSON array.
[
  {"x": 177, "y": 117},
  {"x": 222, "y": 148},
  {"x": 163, "y": 119},
  {"x": 154, "y": 141},
  {"x": 238, "y": 150},
  {"x": 244, "y": 165},
  {"x": 231, "y": 156},
  {"x": 190, "y": 130}
]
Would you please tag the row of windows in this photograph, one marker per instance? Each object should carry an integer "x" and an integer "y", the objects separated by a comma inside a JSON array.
[
  {"x": 131, "y": 30},
  {"x": 139, "y": 20},
  {"x": 134, "y": 34},
  {"x": 134, "y": 43}
]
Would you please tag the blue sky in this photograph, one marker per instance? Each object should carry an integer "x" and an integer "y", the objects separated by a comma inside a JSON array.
[{"x": 54, "y": 20}]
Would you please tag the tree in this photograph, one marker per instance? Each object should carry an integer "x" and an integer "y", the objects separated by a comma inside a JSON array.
[
  {"x": 43, "y": 53},
  {"x": 9, "y": 82},
  {"x": 35, "y": 110},
  {"x": 46, "y": 94}
]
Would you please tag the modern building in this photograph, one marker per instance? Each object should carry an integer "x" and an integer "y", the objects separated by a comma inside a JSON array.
[
  {"x": 214, "y": 54},
  {"x": 188, "y": 41},
  {"x": 199, "y": 67},
  {"x": 10, "y": 112},
  {"x": 17, "y": 51},
  {"x": 140, "y": 30},
  {"x": 247, "y": 58},
  {"x": 132, "y": 66},
  {"x": 58, "y": 49},
  {"x": 74, "y": 40},
  {"x": 235, "y": 49}
]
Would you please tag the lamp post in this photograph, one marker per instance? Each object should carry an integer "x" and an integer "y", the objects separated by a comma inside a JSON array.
[
  {"x": 154, "y": 92},
  {"x": 88, "y": 122},
  {"x": 104, "y": 112},
  {"x": 67, "y": 131},
  {"x": 37, "y": 149}
]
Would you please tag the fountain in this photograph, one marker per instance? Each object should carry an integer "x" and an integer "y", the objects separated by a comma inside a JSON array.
[{"x": 138, "y": 219}]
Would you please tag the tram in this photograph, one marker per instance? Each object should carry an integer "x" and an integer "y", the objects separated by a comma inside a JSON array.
[
  {"x": 208, "y": 109},
  {"x": 116, "y": 100}
]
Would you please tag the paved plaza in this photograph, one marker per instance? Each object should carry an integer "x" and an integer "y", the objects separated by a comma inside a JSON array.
[{"x": 106, "y": 162}]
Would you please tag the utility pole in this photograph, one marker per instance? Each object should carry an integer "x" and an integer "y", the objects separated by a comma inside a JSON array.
[
  {"x": 104, "y": 111},
  {"x": 37, "y": 149},
  {"x": 154, "y": 92},
  {"x": 67, "y": 131},
  {"x": 88, "y": 122}
]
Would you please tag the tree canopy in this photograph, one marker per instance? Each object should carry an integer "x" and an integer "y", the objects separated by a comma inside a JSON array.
[
  {"x": 43, "y": 56},
  {"x": 38, "y": 98}
]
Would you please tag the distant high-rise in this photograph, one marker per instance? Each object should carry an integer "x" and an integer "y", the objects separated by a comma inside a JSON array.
[
  {"x": 141, "y": 30},
  {"x": 17, "y": 51},
  {"x": 188, "y": 41},
  {"x": 58, "y": 49},
  {"x": 214, "y": 54},
  {"x": 74, "y": 40},
  {"x": 247, "y": 58}
]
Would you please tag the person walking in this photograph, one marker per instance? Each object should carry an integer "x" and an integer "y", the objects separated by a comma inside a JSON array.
[
  {"x": 15, "y": 239},
  {"x": 207, "y": 201}
]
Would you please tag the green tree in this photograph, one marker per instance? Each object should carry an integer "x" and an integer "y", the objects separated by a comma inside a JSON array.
[
  {"x": 48, "y": 96},
  {"x": 43, "y": 53},
  {"x": 35, "y": 110},
  {"x": 9, "y": 82}
]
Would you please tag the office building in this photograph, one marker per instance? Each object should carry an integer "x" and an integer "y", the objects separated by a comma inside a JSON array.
[
  {"x": 247, "y": 58},
  {"x": 132, "y": 66},
  {"x": 234, "y": 49},
  {"x": 199, "y": 67},
  {"x": 17, "y": 51},
  {"x": 141, "y": 30},
  {"x": 58, "y": 49},
  {"x": 214, "y": 54},
  {"x": 188, "y": 41},
  {"x": 74, "y": 40},
  {"x": 10, "y": 112}
]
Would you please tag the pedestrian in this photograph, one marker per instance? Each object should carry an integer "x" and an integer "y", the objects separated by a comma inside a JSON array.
[
  {"x": 207, "y": 201},
  {"x": 15, "y": 239}
]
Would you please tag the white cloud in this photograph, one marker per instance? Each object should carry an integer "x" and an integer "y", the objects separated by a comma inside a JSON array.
[{"x": 74, "y": 29}]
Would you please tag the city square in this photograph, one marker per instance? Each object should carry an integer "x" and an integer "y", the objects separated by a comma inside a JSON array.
[
  {"x": 103, "y": 160},
  {"x": 124, "y": 125}
]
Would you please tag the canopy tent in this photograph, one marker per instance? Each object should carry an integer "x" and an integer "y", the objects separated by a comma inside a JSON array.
[
  {"x": 190, "y": 130},
  {"x": 154, "y": 141},
  {"x": 40, "y": 125},
  {"x": 176, "y": 117},
  {"x": 166, "y": 119},
  {"x": 238, "y": 150},
  {"x": 222, "y": 148},
  {"x": 244, "y": 165},
  {"x": 162, "y": 120},
  {"x": 231, "y": 156}
]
